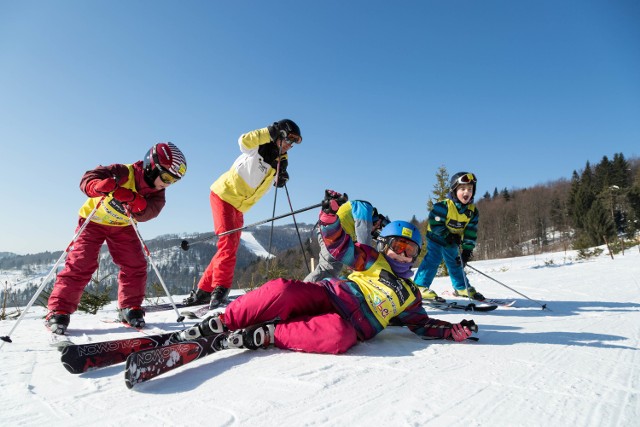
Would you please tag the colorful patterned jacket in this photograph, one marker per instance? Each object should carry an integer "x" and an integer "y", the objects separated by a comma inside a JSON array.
[
  {"x": 373, "y": 297},
  {"x": 448, "y": 217}
]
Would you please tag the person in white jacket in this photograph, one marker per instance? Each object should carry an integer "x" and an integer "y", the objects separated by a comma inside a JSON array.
[{"x": 263, "y": 163}]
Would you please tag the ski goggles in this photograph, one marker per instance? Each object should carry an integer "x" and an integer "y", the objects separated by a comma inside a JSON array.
[
  {"x": 400, "y": 245},
  {"x": 166, "y": 177},
  {"x": 467, "y": 178},
  {"x": 292, "y": 138}
]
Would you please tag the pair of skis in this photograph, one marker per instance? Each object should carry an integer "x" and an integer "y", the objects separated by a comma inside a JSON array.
[
  {"x": 445, "y": 305},
  {"x": 145, "y": 357},
  {"x": 149, "y": 356},
  {"x": 479, "y": 306}
]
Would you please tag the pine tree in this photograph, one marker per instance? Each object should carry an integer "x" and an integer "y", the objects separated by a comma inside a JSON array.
[
  {"x": 440, "y": 191},
  {"x": 505, "y": 194},
  {"x": 599, "y": 224},
  {"x": 602, "y": 175},
  {"x": 581, "y": 197},
  {"x": 620, "y": 171},
  {"x": 440, "y": 188},
  {"x": 633, "y": 219}
]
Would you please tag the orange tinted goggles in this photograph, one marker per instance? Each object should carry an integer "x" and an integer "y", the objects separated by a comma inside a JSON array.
[
  {"x": 167, "y": 178},
  {"x": 292, "y": 138},
  {"x": 400, "y": 246}
]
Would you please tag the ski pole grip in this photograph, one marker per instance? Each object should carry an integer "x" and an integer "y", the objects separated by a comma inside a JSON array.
[{"x": 184, "y": 245}]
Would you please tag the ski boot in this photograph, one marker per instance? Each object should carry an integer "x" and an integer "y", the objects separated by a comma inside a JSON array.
[
  {"x": 219, "y": 297},
  {"x": 253, "y": 337},
  {"x": 197, "y": 297},
  {"x": 212, "y": 325},
  {"x": 472, "y": 293},
  {"x": 428, "y": 294},
  {"x": 57, "y": 321},
  {"x": 134, "y": 316}
]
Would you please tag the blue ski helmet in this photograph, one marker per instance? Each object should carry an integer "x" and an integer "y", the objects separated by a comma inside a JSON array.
[{"x": 402, "y": 229}]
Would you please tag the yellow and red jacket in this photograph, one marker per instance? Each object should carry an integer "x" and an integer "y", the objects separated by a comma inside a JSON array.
[{"x": 111, "y": 212}]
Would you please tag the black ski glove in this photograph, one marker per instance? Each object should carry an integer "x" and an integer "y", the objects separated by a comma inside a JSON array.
[
  {"x": 281, "y": 179},
  {"x": 330, "y": 205},
  {"x": 466, "y": 255},
  {"x": 332, "y": 201}
]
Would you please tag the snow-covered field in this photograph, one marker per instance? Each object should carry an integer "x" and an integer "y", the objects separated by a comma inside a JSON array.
[{"x": 576, "y": 365}]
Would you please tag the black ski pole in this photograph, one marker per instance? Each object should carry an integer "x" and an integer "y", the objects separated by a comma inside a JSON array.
[
  {"x": 304, "y": 254},
  {"x": 185, "y": 243},
  {"x": 273, "y": 212},
  {"x": 544, "y": 306},
  {"x": 464, "y": 276}
]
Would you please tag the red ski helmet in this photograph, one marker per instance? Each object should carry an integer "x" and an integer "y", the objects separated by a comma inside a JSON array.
[{"x": 166, "y": 161}]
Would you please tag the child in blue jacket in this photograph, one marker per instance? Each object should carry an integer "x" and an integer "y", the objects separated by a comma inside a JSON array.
[{"x": 452, "y": 231}]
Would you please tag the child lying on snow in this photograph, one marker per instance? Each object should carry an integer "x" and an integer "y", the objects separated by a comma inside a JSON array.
[{"x": 330, "y": 316}]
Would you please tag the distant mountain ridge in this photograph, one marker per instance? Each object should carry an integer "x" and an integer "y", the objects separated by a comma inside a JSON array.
[{"x": 7, "y": 254}]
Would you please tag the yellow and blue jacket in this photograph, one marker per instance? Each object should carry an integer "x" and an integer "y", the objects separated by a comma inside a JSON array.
[{"x": 449, "y": 217}]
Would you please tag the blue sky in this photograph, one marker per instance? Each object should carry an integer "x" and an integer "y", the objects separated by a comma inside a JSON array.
[{"x": 519, "y": 92}]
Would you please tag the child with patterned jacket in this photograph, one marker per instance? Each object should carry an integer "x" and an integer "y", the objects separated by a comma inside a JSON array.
[
  {"x": 263, "y": 163},
  {"x": 118, "y": 191},
  {"x": 452, "y": 226},
  {"x": 330, "y": 316}
]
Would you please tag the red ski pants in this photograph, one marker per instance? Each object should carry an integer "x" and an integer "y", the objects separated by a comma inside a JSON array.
[
  {"x": 219, "y": 272},
  {"x": 308, "y": 320},
  {"x": 82, "y": 262}
]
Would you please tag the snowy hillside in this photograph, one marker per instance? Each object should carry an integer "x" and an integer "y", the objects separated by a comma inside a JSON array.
[
  {"x": 576, "y": 365},
  {"x": 251, "y": 243}
]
